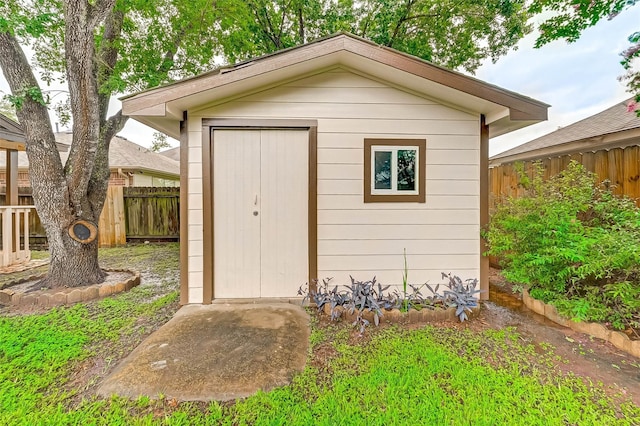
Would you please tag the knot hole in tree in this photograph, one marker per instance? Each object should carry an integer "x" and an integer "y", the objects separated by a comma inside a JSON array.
[{"x": 83, "y": 231}]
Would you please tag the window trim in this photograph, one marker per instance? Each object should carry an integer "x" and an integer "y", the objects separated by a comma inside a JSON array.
[
  {"x": 398, "y": 197},
  {"x": 394, "y": 150}
]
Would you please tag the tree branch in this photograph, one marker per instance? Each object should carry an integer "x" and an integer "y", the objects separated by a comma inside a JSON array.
[
  {"x": 285, "y": 7},
  {"x": 99, "y": 181},
  {"x": 267, "y": 27},
  {"x": 79, "y": 46},
  {"x": 422, "y": 15},
  {"x": 46, "y": 172},
  {"x": 401, "y": 21},
  {"x": 99, "y": 11},
  {"x": 108, "y": 57},
  {"x": 169, "y": 55},
  {"x": 301, "y": 25},
  {"x": 114, "y": 124}
]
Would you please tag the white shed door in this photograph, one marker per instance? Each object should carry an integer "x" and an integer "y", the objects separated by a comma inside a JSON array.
[{"x": 260, "y": 187}]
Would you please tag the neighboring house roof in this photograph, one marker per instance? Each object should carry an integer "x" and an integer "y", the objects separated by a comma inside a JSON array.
[
  {"x": 162, "y": 108},
  {"x": 11, "y": 134},
  {"x": 613, "y": 127},
  {"x": 123, "y": 154},
  {"x": 173, "y": 153}
]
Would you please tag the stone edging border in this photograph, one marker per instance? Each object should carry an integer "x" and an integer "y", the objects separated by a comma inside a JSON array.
[
  {"x": 412, "y": 317},
  {"x": 67, "y": 296},
  {"x": 616, "y": 338}
]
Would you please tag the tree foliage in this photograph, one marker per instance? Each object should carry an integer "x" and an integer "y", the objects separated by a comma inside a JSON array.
[
  {"x": 7, "y": 109},
  {"x": 457, "y": 34},
  {"x": 571, "y": 17},
  {"x": 152, "y": 42},
  {"x": 159, "y": 142}
]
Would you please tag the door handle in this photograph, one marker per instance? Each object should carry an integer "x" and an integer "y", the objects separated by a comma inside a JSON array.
[{"x": 255, "y": 202}]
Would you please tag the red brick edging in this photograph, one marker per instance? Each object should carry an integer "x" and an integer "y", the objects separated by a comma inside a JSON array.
[
  {"x": 68, "y": 296},
  {"x": 616, "y": 338}
]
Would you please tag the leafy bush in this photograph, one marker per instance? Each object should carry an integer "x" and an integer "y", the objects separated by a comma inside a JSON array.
[{"x": 574, "y": 243}]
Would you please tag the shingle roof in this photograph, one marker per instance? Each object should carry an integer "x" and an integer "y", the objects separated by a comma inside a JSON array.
[
  {"x": 612, "y": 120},
  {"x": 173, "y": 153},
  {"x": 123, "y": 154},
  {"x": 10, "y": 130}
]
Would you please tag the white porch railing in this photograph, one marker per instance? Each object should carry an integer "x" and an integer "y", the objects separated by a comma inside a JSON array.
[{"x": 13, "y": 220}]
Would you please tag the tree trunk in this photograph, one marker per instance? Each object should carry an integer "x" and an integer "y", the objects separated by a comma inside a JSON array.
[
  {"x": 63, "y": 195},
  {"x": 72, "y": 264}
]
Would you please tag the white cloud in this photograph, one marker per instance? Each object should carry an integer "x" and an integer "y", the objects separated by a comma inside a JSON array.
[{"x": 578, "y": 79}]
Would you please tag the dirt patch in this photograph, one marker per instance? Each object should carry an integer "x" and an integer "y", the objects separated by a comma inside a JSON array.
[
  {"x": 587, "y": 357},
  {"x": 508, "y": 292}
]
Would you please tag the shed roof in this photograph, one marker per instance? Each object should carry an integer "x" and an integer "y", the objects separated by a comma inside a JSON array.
[
  {"x": 123, "y": 154},
  {"x": 613, "y": 127},
  {"x": 11, "y": 134},
  {"x": 162, "y": 108}
]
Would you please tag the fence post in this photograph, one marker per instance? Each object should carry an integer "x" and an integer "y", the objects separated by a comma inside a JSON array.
[{"x": 6, "y": 236}]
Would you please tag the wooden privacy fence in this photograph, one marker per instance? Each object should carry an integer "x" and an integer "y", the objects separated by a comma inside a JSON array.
[
  {"x": 152, "y": 213},
  {"x": 621, "y": 166},
  {"x": 129, "y": 214}
]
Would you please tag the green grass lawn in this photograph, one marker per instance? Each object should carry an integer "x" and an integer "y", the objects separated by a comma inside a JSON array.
[{"x": 429, "y": 375}]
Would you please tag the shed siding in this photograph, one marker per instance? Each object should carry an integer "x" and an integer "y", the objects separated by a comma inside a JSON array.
[
  {"x": 366, "y": 240},
  {"x": 195, "y": 247}
]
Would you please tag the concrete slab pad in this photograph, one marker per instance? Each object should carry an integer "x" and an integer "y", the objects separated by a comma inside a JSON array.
[{"x": 216, "y": 352}]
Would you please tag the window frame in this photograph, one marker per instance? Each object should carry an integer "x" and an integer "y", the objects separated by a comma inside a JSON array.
[{"x": 371, "y": 195}]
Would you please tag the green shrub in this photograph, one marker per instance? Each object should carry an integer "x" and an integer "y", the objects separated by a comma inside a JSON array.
[{"x": 574, "y": 243}]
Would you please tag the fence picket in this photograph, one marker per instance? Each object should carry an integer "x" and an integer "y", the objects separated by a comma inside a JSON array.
[{"x": 620, "y": 166}]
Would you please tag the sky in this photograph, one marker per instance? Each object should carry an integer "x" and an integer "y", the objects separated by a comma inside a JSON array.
[{"x": 577, "y": 79}]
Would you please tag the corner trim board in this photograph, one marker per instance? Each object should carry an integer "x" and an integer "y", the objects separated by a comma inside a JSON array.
[
  {"x": 184, "y": 211},
  {"x": 484, "y": 206},
  {"x": 207, "y": 212}
]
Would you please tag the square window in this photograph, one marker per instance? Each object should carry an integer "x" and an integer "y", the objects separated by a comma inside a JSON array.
[{"x": 394, "y": 170}]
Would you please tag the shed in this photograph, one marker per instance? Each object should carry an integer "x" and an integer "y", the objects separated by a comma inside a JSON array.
[
  {"x": 606, "y": 143},
  {"x": 328, "y": 160}
]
